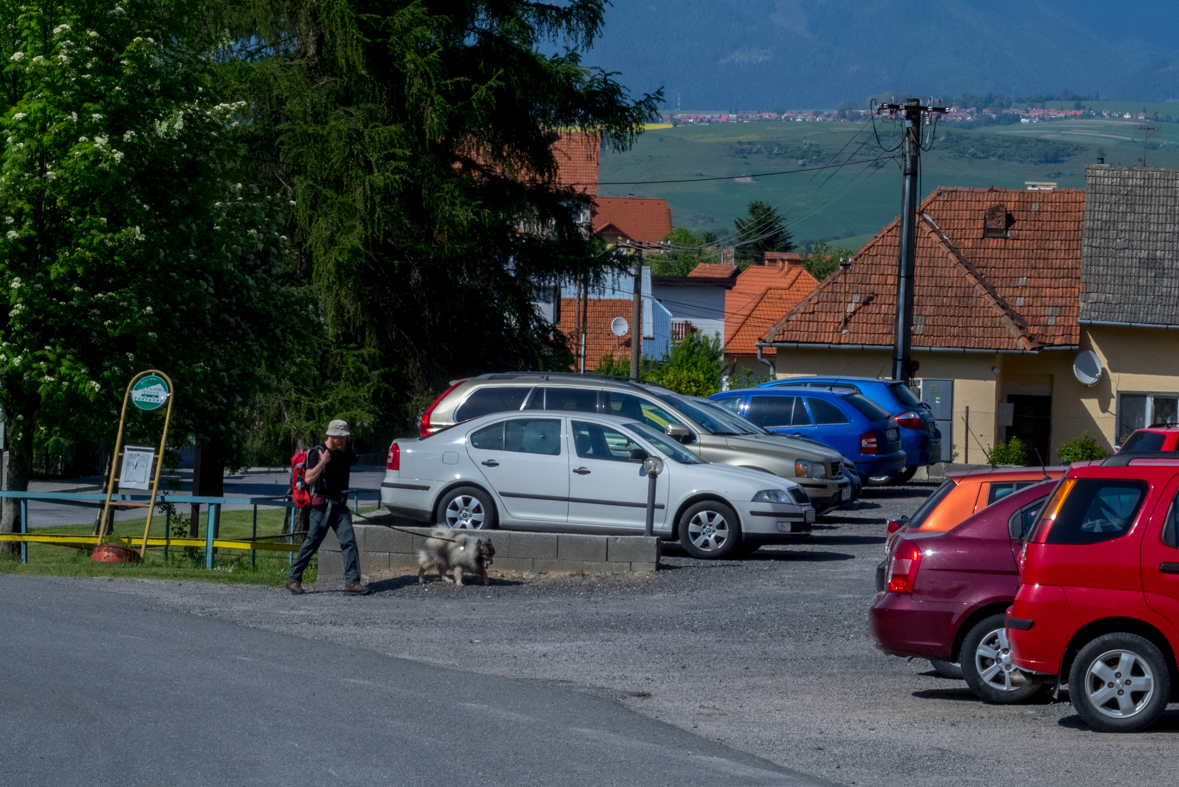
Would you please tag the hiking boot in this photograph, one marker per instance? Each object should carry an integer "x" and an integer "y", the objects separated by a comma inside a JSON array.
[
  {"x": 295, "y": 587},
  {"x": 357, "y": 590}
]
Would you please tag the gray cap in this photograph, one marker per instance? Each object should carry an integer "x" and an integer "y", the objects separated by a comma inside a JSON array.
[{"x": 338, "y": 428}]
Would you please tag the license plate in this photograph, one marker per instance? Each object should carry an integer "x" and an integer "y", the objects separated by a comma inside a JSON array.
[
  {"x": 809, "y": 516},
  {"x": 845, "y": 494}
]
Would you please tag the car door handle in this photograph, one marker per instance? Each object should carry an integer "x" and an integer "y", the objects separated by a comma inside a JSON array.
[
  {"x": 491, "y": 463},
  {"x": 1169, "y": 568},
  {"x": 582, "y": 471}
]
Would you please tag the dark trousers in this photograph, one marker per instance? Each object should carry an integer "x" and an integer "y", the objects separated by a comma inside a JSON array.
[{"x": 330, "y": 517}]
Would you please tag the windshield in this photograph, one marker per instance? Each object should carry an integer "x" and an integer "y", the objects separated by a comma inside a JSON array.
[
  {"x": 738, "y": 423},
  {"x": 904, "y": 394},
  {"x": 868, "y": 408},
  {"x": 1144, "y": 441},
  {"x": 668, "y": 447},
  {"x": 709, "y": 420}
]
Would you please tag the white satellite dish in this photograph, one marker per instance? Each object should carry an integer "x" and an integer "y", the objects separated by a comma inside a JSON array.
[
  {"x": 618, "y": 327},
  {"x": 1087, "y": 368}
]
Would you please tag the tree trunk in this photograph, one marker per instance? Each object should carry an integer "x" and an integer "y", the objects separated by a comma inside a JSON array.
[{"x": 16, "y": 479}]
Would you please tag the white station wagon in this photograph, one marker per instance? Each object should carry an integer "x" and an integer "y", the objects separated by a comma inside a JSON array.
[{"x": 585, "y": 473}]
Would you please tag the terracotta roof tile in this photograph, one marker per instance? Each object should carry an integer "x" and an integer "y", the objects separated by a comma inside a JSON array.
[
  {"x": 711, "y": 270},
  {"x": 600, "y": 341},
  {"x": 762, "y": 296},
  {"x": 639, "y": 220},
  {"x": 1016, "y": 292},
  {"x": 577, "y": 155}
]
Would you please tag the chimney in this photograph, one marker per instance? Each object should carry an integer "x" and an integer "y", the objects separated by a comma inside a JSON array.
[{"x": 1101, "y": 159}]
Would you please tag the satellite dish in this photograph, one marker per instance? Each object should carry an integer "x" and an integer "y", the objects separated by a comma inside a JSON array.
[
  {"x": 1087, "y": 368},
  {"x": 618, "y": 327}
]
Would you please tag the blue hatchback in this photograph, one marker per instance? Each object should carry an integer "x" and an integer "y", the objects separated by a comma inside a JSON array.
[
  {"x": 920, "y": 437},
  {"x": 852, "y": 424}
]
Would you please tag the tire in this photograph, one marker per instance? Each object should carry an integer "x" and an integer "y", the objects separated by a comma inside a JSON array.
[
  {"x": 903, "y": 477},
  {"x": 710, "y": 530},
  {"x": 1119, "y": 683},
  {"x": 467, "y": 508},
  {"x": 947, "y": 669},
  {"x": 986, "y": 664}
]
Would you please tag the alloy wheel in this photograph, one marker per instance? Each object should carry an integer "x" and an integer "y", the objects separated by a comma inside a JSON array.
[
  {"x": 992, "y": 659},
  {"x": 709, "y": 531},
  {"x": 465, "y": 512},
  {"x": 1119, "y": 684}
]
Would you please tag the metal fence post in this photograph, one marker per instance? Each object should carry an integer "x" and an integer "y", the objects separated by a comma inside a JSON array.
[
  {"x": 254, "y": 552},
  {"x": 167, "y": 531},
  {"x": 966, "y": 419},
  {"x": 24, "y": 528},
  {"x": 210, "y": 529}
]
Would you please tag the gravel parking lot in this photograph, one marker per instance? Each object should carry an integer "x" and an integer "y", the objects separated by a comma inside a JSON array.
[{"x": 770, "y": 655}]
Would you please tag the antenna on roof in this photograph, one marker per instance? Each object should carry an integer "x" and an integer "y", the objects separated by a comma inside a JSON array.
[{"x": 1043, "y": 467}]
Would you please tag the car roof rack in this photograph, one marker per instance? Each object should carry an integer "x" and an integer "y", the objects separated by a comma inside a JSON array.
[
  {"x": 1164, "y": 425},
  {"x": 1126, "y": 457},
  {"x": 597, "y": 378}
]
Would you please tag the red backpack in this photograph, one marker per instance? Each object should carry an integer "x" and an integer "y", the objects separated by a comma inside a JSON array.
[{"x": 300, "y": 494}]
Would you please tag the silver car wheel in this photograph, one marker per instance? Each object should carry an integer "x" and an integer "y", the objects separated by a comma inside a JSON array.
[
  {"x": 1121, "y": 679},
  {"x": 709, "y": 531},
  {"x": 465, "y": 512},
  {"x": 992, "y": 659}
]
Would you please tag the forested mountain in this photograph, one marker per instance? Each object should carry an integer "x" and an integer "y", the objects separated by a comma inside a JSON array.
[{"x": 766, "y": 54}]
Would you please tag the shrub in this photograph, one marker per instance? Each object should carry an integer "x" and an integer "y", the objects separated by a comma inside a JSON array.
[
  {"x": 1081, "y": 449},
  {"x": 1013, "y": 452}
]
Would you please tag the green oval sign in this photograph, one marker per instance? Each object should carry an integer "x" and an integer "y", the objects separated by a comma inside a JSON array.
[{"x": 150, "y": 393}]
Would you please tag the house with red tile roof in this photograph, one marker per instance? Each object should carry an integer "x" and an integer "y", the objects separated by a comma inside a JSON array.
[
  {"x": 997, "y": 291},
  {"x": 761, "y": 296},
  {"x": 696, "y": 302},
  {"x": 631, "y": 220}
]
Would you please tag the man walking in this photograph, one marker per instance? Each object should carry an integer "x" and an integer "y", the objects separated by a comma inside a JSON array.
[{"x": 328, "y": 468}]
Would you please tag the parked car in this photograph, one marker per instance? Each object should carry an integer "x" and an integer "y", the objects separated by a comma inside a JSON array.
[
  {"x": 850, "y": 423},
  {"x": 1157, "y": 437},
  {"x": 920, "y": 438},
  {"x": 1098, "y": 603},
  {"x": 583, "y": 472},
  {"x": 947, "y": 594},
  {"x": 817, "y": 469}
]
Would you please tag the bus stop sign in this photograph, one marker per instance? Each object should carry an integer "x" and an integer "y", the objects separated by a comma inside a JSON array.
[{"x": 150, "y": 393}]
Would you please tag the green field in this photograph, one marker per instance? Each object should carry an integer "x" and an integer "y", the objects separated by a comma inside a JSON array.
[{"x": 854, "y": 203}]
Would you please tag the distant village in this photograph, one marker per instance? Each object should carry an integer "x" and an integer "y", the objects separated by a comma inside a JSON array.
[{"x": 956, "y": 114}]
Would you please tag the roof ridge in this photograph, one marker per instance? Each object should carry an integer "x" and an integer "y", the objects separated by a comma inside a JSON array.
[{"x": 1013, "y": 320}]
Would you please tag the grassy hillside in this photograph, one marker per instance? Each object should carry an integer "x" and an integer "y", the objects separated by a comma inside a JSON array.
[{"x": 854, "y": 203}]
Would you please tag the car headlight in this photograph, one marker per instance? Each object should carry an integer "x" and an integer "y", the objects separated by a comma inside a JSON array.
[
  {"x": 804, "y": 469},
  {"x": 772, "y": 496}
]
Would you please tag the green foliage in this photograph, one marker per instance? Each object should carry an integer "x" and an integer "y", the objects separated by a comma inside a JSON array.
[
  {"x": 823, "y": 259},
  {"x": 1081, "y": 449},
  {"x": 683, "y": 252},
  {"x": 746, "y": 379},
  {"x": 129, "y": 240},
  {"x": 763, "y": 230},
  {"x": 1013, "y": 452},
  {"x": 806, "y": 152},
  {"x": 1005, "y": 148},
  {"x": 693, "y": 367},
  {"x": 416, "y": 139}
]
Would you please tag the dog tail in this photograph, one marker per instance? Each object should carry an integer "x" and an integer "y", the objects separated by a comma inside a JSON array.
[{"x": 442, "y": 532}]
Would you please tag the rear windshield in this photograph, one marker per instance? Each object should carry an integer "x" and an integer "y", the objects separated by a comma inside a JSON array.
[
  {"x": 933, "y": 501},
  {"x": 1144, "y": 441},
  {"x": 867, "y": 408},
  {"x": 1094, "y": 510},
  {"x": 904, "y": 394},
  {"x": 491, "y": 399}
]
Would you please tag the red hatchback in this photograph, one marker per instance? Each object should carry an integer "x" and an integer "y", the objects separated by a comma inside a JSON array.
[
  {"x": 947, "y": 593},
  {"x": 1098, "y": 603}
]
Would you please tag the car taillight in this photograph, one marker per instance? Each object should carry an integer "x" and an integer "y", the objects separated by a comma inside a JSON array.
[
  {"x": 425, "y": 427},
  {"x": 894, "y": 525},
  {"x": 903, "y": 571},
  {"x": 910, "y": 420},
  {"x": 1051, "y": 510},
  {"x": 394, "y": 460},
  {"x": 868, "y": 443}
]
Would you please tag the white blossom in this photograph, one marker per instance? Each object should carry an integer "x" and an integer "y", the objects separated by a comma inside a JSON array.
[
  {"x": 19, "y": 116},
  {"x": 118, "y": 155},
  {"x": 130, "y": 135},
  {"x": 95, "y": 386},
  {"x": 96, "y": 117},
  {"x": 17, "y": 56},
  {"x": 83, "y": 139},
  {"x": 9, "y": 220},
  {"x": 130, "y": 357},
  {"x": 62, "y": 28},
  {"x": 92, "y": 33},
  {"x": 15, "y": 283},
  {"x": 38, "y": 59},
  {"x": 13, "y": 235}
]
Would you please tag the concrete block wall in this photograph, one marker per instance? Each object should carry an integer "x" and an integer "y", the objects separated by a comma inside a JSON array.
[{"x": 382, "y": 548}]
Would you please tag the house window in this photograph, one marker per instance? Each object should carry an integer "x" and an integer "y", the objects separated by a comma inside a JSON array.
[
  {"x": 1140, "y": 410},
  {"x": 996, "y": 222}
]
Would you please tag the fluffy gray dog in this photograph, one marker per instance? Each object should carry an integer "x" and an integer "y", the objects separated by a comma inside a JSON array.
[{"x": 449, "y": 551}]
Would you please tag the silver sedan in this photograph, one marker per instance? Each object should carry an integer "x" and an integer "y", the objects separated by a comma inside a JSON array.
[{"x": 587, "y": 473}]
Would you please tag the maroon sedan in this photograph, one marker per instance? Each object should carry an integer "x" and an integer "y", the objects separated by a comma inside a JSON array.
[{"x": 947, "y": 594}]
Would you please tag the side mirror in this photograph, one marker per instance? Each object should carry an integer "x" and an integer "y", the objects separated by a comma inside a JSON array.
[
  {"x": 679, "y": 433},
  {"x": 637, "y": 455}
]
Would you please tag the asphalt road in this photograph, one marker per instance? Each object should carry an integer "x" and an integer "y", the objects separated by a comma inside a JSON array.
[
  {"x": 770, "y": 656},
  {"x": 103, "y": 688}
]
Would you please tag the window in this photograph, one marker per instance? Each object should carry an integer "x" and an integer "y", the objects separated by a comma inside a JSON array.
[
  {"x": 778, "y": 411},
  {"x": 533, "y": 436},
  {"x": 626, "y": 405},
  {"x": 904, "y": 394},
  {"x": 868, "y": 408},
  {"x": 1096, "y": 510},
  {"x": 1140, "y": 410},
  {"x": 933, "y": 501},
  {"x": 1170, "y": 536},
  {"x": 668, "y": 447},
  {"x": 569, "y": 400},
  {"x": 489, "y": 438},
  {"x": 1022, "y": 522},
  {"x": 594, "y": 441},
  {"x": 825, "y": 412},
  {"x": 491, "y": 399},
  {"x": 1144, "y": 441},
  {"x": 733, "y": 404},
  {"x": 998, "y": 491}
]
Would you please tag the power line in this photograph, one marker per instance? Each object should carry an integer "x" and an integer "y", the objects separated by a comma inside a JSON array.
[{"x": 726, "y": 177}]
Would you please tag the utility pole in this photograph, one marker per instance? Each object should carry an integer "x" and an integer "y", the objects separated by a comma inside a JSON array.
[
  {"x": 1147, "y": 129},
  {"x": 913, "y": 114},
  {"x": 636, "y": 315}
]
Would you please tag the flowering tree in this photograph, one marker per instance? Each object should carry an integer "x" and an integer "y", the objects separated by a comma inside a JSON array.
[{"x": 126, "y": 242}]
